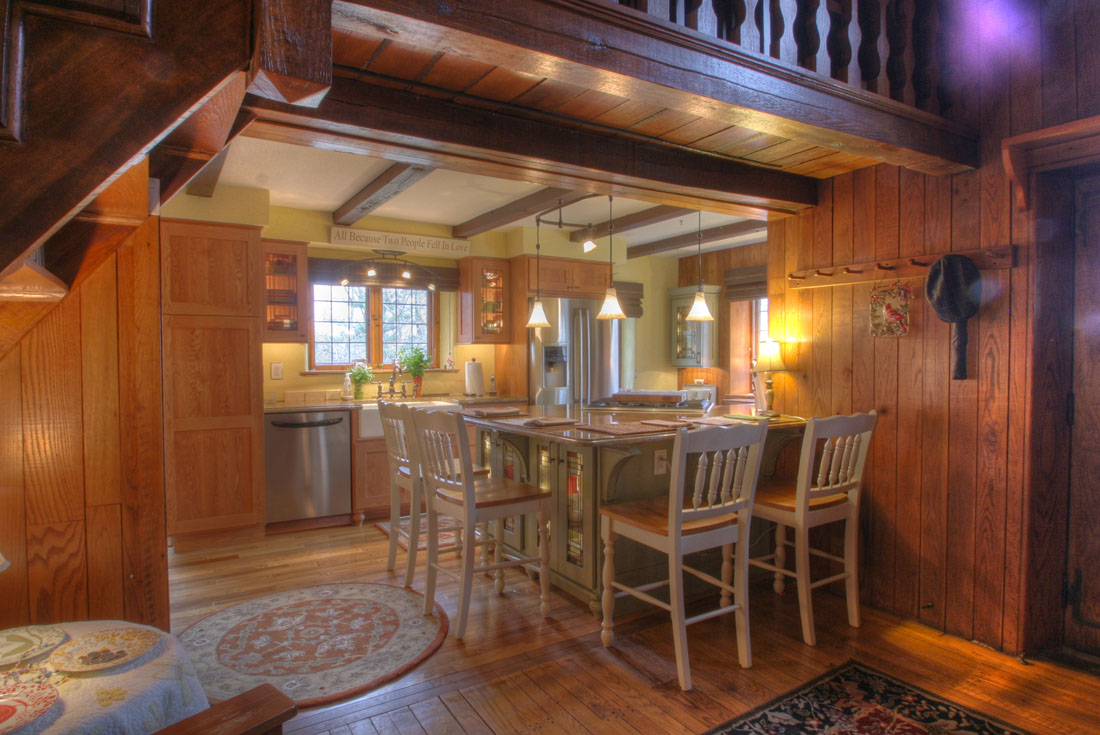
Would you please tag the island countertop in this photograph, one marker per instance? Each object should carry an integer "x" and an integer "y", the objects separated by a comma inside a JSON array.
[{"x": 570, "y": 434}]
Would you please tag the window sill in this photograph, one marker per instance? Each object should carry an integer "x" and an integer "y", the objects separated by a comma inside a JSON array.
[{"x": 382, "y": 371}]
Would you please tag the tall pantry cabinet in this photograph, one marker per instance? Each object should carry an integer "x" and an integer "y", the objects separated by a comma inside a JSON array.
[{"x": 212, "y": 308}]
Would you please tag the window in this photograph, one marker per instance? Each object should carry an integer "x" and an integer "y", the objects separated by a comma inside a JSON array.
[
  {"x": 370, "y": 324},
  {"x": 748, "y": 327},
  {"x": 759, "y": 324}
]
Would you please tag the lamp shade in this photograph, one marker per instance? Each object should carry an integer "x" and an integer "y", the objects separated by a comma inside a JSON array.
[
  {"x": 538, "y": 316},
  {"x": 700, "y": 312},
  {"x": 589, "y": 246},
  {"x": 769, "y": 360},
  {"x": 611, "y": 308}
]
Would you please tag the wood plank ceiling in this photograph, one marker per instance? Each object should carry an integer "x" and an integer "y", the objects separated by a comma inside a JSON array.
[{"x": 385, "y": 62}]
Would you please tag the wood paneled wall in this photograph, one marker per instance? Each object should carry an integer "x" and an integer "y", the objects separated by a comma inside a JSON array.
[{"x": 81, "y": 469}]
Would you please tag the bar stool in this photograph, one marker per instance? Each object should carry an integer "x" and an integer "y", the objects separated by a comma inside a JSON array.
[
  {"x": 452, "y": 489},
  {"x": 810, "y": 502},
  {"x": 715, "y": 513}
]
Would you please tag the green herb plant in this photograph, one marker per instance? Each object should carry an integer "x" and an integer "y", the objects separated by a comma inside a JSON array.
[{"x": 413, "y": 361}]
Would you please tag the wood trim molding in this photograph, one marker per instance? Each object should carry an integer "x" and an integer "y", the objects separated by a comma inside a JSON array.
[
  {"x": 11, "y": 70},
  {"x": 993, "y": 258},
  {"x": 139, "y": 23},
  {"x": 1072, "y": 144}
]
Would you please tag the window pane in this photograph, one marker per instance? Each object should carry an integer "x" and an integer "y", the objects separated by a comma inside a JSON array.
[
  {"x": 339, "y": 324},
  {"x": 404, "y": 321}
]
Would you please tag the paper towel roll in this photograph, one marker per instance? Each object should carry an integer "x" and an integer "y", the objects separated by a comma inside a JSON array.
[{"x": 475, "y": 378}]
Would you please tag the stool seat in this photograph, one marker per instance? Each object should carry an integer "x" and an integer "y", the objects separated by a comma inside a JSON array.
[
  {"x": 783, "y": 496},
  {"x": 490, "y": 493},
  {"x": 651, "y": 515}
]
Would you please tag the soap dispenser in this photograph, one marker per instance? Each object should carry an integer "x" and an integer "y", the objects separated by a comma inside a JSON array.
[{"x": 347, "y": 386}]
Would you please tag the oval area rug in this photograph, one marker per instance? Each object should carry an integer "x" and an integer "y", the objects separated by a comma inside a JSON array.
[{"x": 315, "y": 644}]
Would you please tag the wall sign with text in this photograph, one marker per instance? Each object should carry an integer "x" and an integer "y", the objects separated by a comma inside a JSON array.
[{"x": 374, "y": 240}]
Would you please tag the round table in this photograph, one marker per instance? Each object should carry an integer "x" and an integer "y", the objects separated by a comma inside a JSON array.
[{"x": 155, "y": 690}]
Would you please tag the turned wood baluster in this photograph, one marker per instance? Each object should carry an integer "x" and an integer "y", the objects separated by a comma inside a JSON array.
[
  {"x": 850, "y": 38},
  {"x": 826, "y": 463},
  {"x": 716, "y": 473},
  {"x": 874, "y": 48},
  {"x": 752, "y": 37},
  {"x": 700, "y": 480},
  {"x": 899, "y": 67},
  {"x": 926, "y": 71},
  {"x": 783, "y": 16},
  {"x": 815, "y": 26}
]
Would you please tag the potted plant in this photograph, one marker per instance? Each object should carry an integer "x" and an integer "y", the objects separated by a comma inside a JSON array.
[
  {"x": 414, "y": 361},
  {"x": 359, "y": 375}
]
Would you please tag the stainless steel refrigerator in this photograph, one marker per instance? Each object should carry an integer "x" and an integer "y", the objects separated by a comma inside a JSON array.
[{"x": 576, "y": 358}]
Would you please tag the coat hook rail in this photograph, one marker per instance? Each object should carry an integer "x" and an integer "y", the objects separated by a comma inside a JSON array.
[{"x": 1002, "y": 256}]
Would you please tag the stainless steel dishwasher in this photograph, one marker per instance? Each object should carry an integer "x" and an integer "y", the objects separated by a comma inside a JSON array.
[{"x": 308, "y": 464}]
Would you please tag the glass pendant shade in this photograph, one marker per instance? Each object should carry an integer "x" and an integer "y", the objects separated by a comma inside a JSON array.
[
  {"x": 611, "y": 308},
  {"x": 371, "y": 272},
  {"x": 538, "y": 316},
  {"x": 589, "y": 246},
  {"x": 700, "y": 312}
]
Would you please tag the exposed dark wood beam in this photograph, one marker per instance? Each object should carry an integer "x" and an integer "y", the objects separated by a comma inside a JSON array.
[
  {"x": 430, "y": 131},
  {"x": 384, "y": 187},
  {"x": 651, "y": 216},
  {"x": 205, "y": 181},
  {"x": 516, "y": 210},
  {"x": 292, "y": 52},
  {"x": 598, "y": 46},
  {"x": 713, "y": 234}
]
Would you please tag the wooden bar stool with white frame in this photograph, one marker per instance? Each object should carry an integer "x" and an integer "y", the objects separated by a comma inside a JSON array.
[
  {"x": 712, "y": 509},
  {"x": 404, "y": 474},
  {"x": 813, "y": 500},
  {"x": 455, "y": 491}
]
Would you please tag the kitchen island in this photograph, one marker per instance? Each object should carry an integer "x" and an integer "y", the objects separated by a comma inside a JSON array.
[{"x": 585, "y": 469}]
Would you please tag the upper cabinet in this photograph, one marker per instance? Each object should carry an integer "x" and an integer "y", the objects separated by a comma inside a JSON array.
[
  {"x": 694, "y": 344},
  {"x": 483, "y": 301},
  {"x": 286, "y": 291},
  {"x": 567, "y": 278},
  {"x": 210, "y": 269}
]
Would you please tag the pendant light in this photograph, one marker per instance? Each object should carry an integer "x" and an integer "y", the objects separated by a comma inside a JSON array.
[
  {"x": 610, "y": 308},
  {"x": 538, "y": 314},
  {"x": 700, "y": 312}
]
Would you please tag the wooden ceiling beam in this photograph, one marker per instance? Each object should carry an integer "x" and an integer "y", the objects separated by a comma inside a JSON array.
[
  {"x": 713, "y": 234},
  {"x": 430, "y": 131},
  {"x": 514, "y": 211},
  {"x": 651, "y": 216},
  {"x": 205, "y": 181},
  {"x": 388, "y": 184},
  {"x": 292, "y": 53},
  {"x": 600, "y": 47}
]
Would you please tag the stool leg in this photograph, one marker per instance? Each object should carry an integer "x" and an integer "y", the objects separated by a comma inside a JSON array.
[
  {"x": 741, "y": 597},
  {"x": 780, "y": 557},
  {"x": 395, "y": 524},
  {"x": 607, "y": 635},
  {"x": 467, "y": 581},
  {"x": 727, "y": 573},
  {"x": 805, "y": 594},
  {"x": 498, "y": 555},
  {"x": 543, "y": 517},
  {"x": 433, "y": 560},
  {"x": 414, "y": 532},
  {"x": 851, "y": 567},
  {"x": 679, "y": 628}
]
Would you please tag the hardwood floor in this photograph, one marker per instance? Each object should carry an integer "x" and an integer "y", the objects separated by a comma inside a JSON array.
[{"x": 516, "y": 673}]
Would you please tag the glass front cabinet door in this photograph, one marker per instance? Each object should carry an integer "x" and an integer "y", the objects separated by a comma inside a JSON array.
[
  {"x": 568, "y": 472},
  {"x": 483, "y": 301},
  {"x": 286, "y": 291},
  {"x": 694, "y": 344}
]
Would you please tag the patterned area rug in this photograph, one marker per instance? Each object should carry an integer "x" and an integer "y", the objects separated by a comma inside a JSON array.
[
  {"x": 317, "y": 644},
  {"x": 447, "y": 535},
  {"x": 856, "y": 700}
]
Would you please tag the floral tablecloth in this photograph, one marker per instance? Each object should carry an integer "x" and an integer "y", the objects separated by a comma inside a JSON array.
[{"x": 141, "y": 696}]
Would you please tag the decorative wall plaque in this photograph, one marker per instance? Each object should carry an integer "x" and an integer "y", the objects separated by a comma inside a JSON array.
[{"x": 890, "y": 310}]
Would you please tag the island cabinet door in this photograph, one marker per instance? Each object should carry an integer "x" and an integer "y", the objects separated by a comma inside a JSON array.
[
  {"x": 510, "y": 462},
  {"x": 573, "y": 525}
]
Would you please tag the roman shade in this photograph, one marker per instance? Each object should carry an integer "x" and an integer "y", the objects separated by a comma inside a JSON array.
[
  {"x": 331, "y": 271},
  {"x": 746, "y": 284}
]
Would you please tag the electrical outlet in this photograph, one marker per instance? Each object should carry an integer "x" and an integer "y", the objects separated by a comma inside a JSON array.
[
  {"x": 276, "y": 371},
  {"x": 660, "y": 462}
]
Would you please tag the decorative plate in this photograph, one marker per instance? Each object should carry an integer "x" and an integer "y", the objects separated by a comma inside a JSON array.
[
  {"x": 28, "y": 642},
  {"x": 103, "y": 649},
  {"x": 23, "y": 703}
]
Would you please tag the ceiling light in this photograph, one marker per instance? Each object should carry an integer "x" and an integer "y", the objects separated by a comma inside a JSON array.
[
  {"x": 538, "y": 314},
  {"x": 611, "y": 308},
  {"x": 431, "y": 286},
  {"x": 344, "y": 281},
  {"x": 700, "y": 312},
  {"x": 372, "y": 272},
  {"x": 406, "y": 274},
  {"x": 589, "y": 246}
]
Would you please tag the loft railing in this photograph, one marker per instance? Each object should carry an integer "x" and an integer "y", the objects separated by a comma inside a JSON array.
[{"x": 895, "y": 48}]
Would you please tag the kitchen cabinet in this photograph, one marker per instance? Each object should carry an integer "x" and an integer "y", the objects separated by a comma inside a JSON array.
[
  {"x": 568, "y": 278},
  {"x": 483, "y": 301},
  {"x": 211, "y": 372},
  {"x": 693, "y": 344},
  {"x": 370, "y": 475},
  {"x": 286, "y": 291}
]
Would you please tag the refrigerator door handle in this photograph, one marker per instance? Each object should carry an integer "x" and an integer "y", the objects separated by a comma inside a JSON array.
[{"x": 586, "y": 357}]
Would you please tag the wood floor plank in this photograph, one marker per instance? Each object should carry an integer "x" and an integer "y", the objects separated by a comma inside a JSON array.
[{"x": 516, "y": 672}]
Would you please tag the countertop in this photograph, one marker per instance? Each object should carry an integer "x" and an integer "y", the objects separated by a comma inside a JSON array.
[
  {"x": 571, "y": 435},
  {"x": 346, "y": 405}
]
